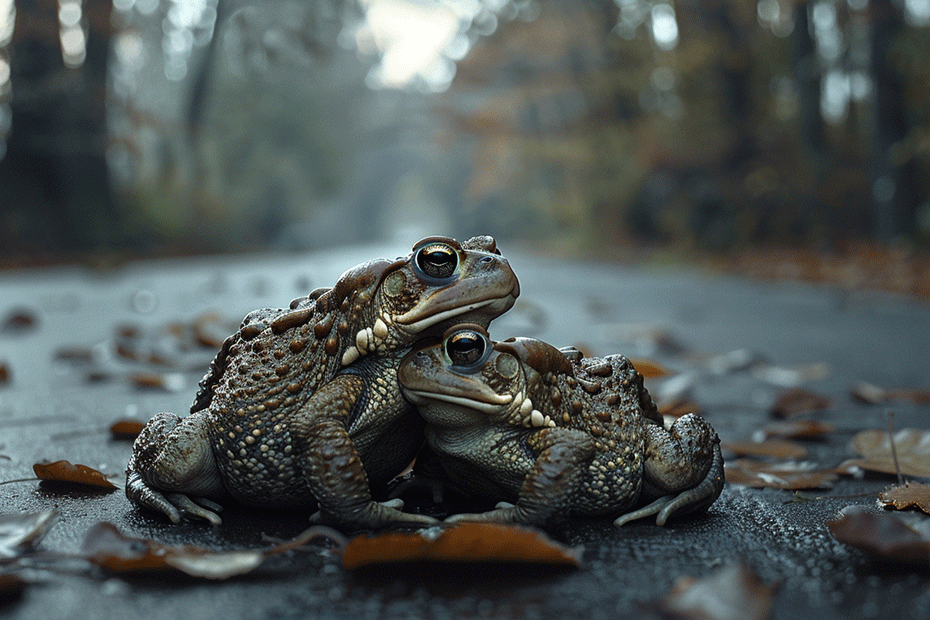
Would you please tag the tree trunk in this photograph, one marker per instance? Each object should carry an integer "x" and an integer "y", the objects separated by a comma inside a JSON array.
[
  {"x": 894, "y": 197},
  {"x": 57, "y": 196}
]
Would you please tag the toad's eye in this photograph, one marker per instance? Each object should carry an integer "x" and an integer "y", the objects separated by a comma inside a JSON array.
[
  {"x": 466, "y": 348},
  {"x": 437, "y": 260}
]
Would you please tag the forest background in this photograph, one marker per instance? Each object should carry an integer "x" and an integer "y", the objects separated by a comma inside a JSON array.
[{"x": 157, "y": 127}]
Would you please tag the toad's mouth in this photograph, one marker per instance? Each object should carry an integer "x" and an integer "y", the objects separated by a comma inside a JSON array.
[
  {"x": 423, "y": 397},
  {"x": 438, "y": 311}
]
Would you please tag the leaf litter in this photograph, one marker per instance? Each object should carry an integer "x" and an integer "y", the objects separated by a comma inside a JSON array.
[
  {"x": 878, "y": 451},
  {"x": 465, "y": 542},
  {"x": 734, "y": 592},
  {"x": 65, "y": 472},
  {"x": 898, "y": 538}
]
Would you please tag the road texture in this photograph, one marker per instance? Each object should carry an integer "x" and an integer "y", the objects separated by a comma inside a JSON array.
[{"x": 69, "y": 379}]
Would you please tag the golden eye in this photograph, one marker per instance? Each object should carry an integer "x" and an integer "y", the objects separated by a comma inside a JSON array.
[
  {"x": 466, "y": 348},
  {"x": 437, "y": 260}
]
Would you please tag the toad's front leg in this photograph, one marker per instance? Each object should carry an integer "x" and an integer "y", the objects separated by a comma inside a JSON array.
[
  {"x": 331, "y": 463},
  {"x": 683, "y": 469},
  {"x": 172, "y": 469},
  {"x": 550, "y": 490}
]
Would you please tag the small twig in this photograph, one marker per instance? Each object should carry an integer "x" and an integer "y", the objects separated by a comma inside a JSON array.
[
  {"x": 20, "y": 480},
  {"x": 894, "y": 451}
]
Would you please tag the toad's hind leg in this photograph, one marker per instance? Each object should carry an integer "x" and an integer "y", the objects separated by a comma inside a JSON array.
[
  {"x": 683, "y": 469},
  {"x": 172, "y": 469}
]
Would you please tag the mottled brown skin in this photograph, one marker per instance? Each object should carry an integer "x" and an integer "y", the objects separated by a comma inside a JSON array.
[
  {"x": 301, "y": 407},
  {"x": 554, "y": 434}
]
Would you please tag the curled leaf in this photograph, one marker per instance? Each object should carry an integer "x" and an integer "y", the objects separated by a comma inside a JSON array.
[
  {"x": 678, "y": 408},
  {"x": 789, "y": 475},
  {"x": 886, "y": 537},
  {"x": 20, "y": 533},
  {"x": 63, "y": 471},
  {"x": 907, "y": 495},
  {"x": 772, "y": 448},
  {"x": 126, "y": 429},
  {"x": 874, "y": 395},
  {"x": 797, "y": 429},
  {"x": 11, "y": 588},
  {"x": 734, "y": 592},
  {"x": 465, "y": 542},
  {"x": 648, "y": 368},
  {"x": 106, "y": 547},
  {"x": 912, "y": 447},
  {"x": 795, "y": 401}
]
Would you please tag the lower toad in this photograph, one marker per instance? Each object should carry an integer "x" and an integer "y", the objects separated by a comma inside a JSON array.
[{"x": 556, "y": 434}]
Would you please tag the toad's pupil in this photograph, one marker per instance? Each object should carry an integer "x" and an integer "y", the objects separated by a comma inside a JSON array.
[
  {"x": 437, "y": 261},
  {"x": 465, "y": 348}
]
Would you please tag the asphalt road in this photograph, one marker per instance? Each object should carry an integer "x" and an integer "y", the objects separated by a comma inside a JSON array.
[{"x": 69, "y": 380}]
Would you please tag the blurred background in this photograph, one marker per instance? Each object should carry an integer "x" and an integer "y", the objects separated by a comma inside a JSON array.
[{"x": 727, "y": 128}]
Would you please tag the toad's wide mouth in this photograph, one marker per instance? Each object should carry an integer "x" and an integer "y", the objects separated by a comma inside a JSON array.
[
  {"x": 438, "y": 310},
  {"x": 422, "y": 397}
]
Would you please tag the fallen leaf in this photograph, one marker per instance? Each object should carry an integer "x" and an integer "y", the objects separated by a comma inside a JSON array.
[
  {"x": 4, "y": 374},
  {"x": 907, "y": 495},
  {"x": 210, "y": 330},
  {"x": 20, "y": 533},
  {"x": 791, "y": 377},
  {"x": 465, "y": 542},
  {"x": 911, "y": 445},
  {"x": 886, "y": 536},
  {"x": 734, "y": 592},
  {"x": 648, "y": 368},
  {"x": 875, "y": 395},
  {"x": 734, "y": 361},
  {"x": 18, "y": 322},
  {"x": 789, "y": 475},
  {"x": 126, "y": 429},
  {"x": 169, "y": 382},
  {"x": 795, "y": 401},
  {"x": 772, "y": 448},
  {"x": 106, "y": 547},
  {"x": 678, "y": 408},
  {"x": 796, "y": 429},
  {"x": 11, "y": 588},
  {"x": 63, "y": 471}
]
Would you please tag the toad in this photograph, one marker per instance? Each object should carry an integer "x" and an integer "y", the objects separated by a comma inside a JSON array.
[
  {"x": 301, "y": 408},
  {"x": 551, "y": 434}
]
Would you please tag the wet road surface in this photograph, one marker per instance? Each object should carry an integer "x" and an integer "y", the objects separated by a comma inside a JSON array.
[{"x": 69, "y": 379}]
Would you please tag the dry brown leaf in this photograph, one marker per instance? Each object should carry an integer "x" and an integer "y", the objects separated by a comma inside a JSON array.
[
  {"x": 4, "y": 374},
  {"x": 11, "y": 588},
  {"x": 19, "y": 321},
  {"x": 648, "y": 368},
  {"x": 210, "y": 330},
  {"x": 907, "y": 495},
  {"x": 911, "y": 445},
  {"x": 678, "y": 408},
  {"x": 874, "y": 395},
  {"x": 789, "y": 475},
  {"x": 126, "y": 429},
  {"x": 887, "y": 536},
  {"x": 63, "y": 471},
  {"x": 797, "y": 429},
  {"x": 795, "y": 401},
  {"x": 732, "y": 593},
  {"x": 465, "y": 542},
  {"x": 19, "y": 533},
  {"x": 772, "y": 448},
  {"x": 106, "y": 547}
]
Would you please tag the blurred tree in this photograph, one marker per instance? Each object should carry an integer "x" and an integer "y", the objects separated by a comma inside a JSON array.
[
  {"x": 894, "y": 187},
  {"x": 56, "y": 184}
]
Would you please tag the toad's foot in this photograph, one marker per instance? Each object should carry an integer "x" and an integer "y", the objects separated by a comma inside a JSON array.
[
  {"x": 690, "y": 500},
  {"x": 376, "y": 515},
  {"x": 172, "y": 505}
]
